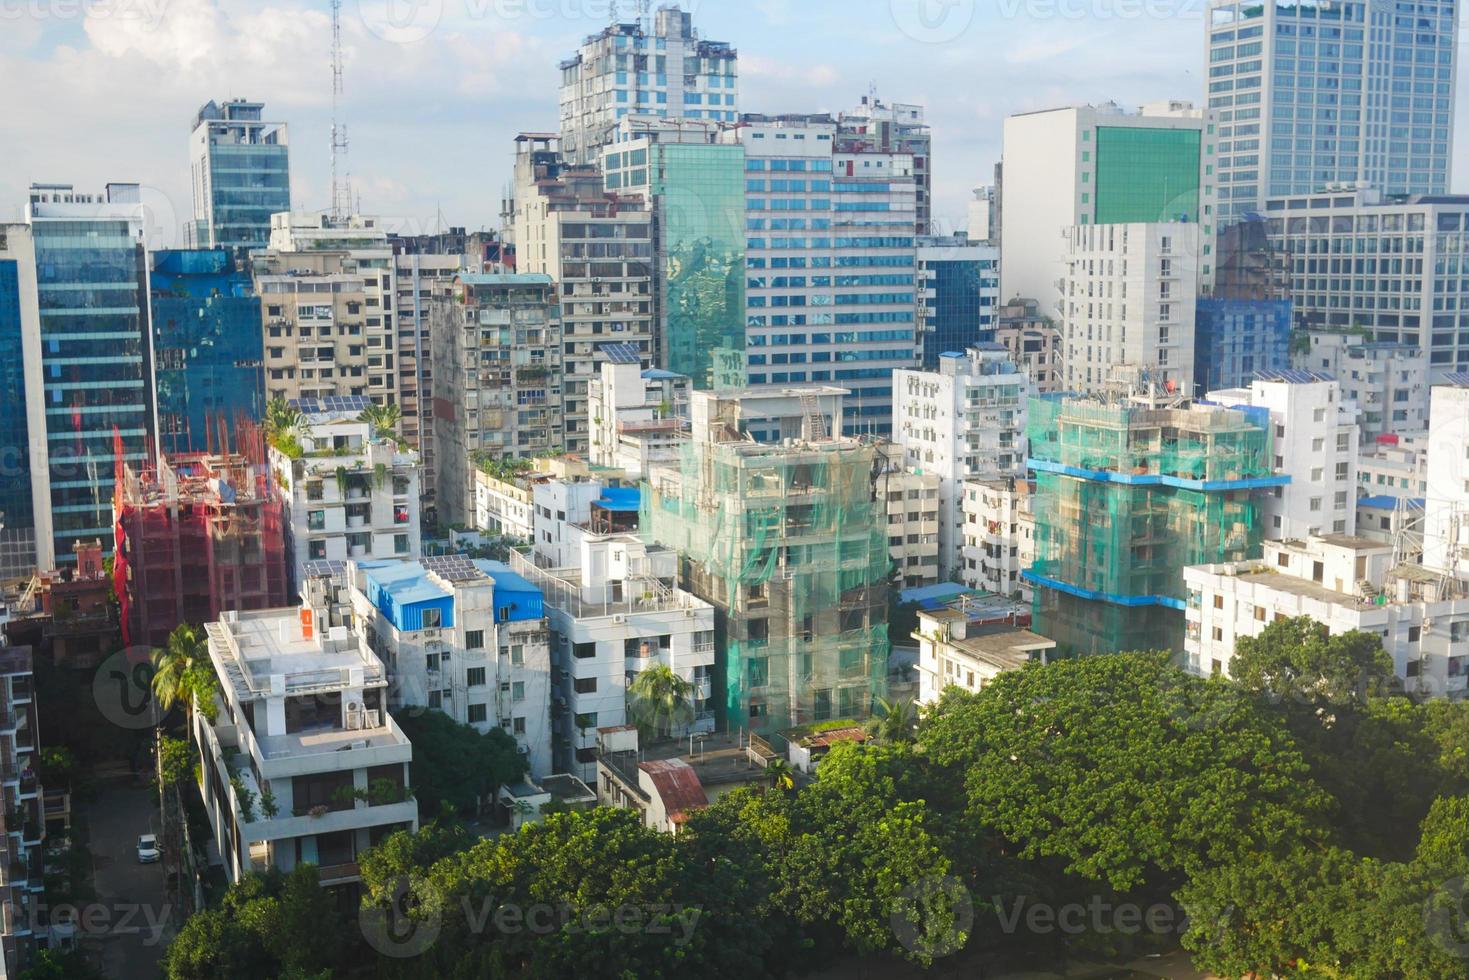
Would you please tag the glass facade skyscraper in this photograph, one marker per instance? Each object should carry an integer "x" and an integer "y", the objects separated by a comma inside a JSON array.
[
  {"x": 96, "y": 350},
  {"x": 1146, "y": 175},
  {"x": 240, "y": 168},
  {"x": 208, "y": 347},
  {"x": 17, "y": 333},
  {"x": 958, "y": 296},
  {"x": 1311, "y": 93}
]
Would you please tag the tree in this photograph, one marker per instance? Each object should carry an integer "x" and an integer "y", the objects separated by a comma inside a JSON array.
[
  {"x": 184, "y": 673},
  {"x": 384, "y": 419},
  {"x": 659, "y": 702},
  {"x": 454, "y": 765},
  {"x": 894, "y": 721},
  {"x": 1299, "y": 662},
  {"x": 284, "y": 425},
  {"x": 55, "y": 964}
]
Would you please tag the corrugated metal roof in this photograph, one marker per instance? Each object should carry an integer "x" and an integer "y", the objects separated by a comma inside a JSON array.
[
  {"x": 505, "y": 279},
  {"x": 402, "y": 593},
  {"x": 517, "y": 599},
  {"x": 1292, "y": 376},
  {"x": 677, "y": 785}
]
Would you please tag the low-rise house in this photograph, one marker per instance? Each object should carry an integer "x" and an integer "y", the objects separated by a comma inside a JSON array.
[
  {"x": 956, "y": 650},
  {"x": 667, "y": 782}
]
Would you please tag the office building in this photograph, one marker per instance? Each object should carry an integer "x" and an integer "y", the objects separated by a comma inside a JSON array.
[
  {"x": 1388, "y": 381},
  {"x": 240, "y": 171},
  {"x": 497, "y": 370},
  {"x": 1128, "y": 300},
  {"x": 958, "y": 295},
  {"x": 964, "y": 421},
  {"x": 1309, "y": 95},
  {"x": 208, "y": 349},
  {"x": 25, "y": 481},
  {"x": 1100, "y": 165},
  {"x": 898, "y": 131},
  {"x": 596, "y": 244},
  {"x": 1235, "y": 338},
  {"x": 96, "y": 354},
  {"x": 302, "y": 764},
  {"x": 1120, "y": 510},
  {"x": 465, "y": 637},
  {"x": 664, "y": 69},
  {"x": 785, "y": 541}
]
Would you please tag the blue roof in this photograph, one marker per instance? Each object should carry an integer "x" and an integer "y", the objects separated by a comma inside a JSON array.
[
  {"x": 402, "y": 591},
  {"x": 516, "y": 598},
  {"x": 623, "y": 499},
  {"x": 1387, "y": 501},
  {"x": 934, "y": 596},
  {"x": 658, "y": 374}
]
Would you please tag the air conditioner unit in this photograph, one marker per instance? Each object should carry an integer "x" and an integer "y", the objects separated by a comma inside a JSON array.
[{"x": 619, "y": 619}]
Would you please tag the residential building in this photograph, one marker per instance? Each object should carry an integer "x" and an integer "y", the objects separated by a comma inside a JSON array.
[
  {"x": 79, "y": 610},
  {"x": 1034, "y": 343},
  {"x": 1344, "y": 583},
  {"x": 502, "y": 503},
  {"x": 1397, "y": 521},
  {"x": 616, "y": 610},
  {"x": 417, "y": 275},
  {"x": 911, "y": 502},
  {"x": 349, "y": 494},
  {"x": 208, "y": 348},
  {"x": 1446, "y": 514},
  {"x": 1394, "y": 466},
  {"x": 1101, "y": 165},
  {"x": 596, "y": 244},
  {"x": 25, "y": 494},
  {"x": 1357, "y": 258},
  {"x": 958, "y": 295},
  {"x": 497, "y": 379},
  {"x": 667, "y": 782},
  {"x": 999, "y": 536},
  {"x": 200, "y": 534},
  {"x": 696, "y": 187},
  {"x": 466, "y": 637},
  {"x": 1235, "y": 338},
  {"x": 240, "y": 171},
  {"x": 302, "y": 762},
  {"x": 1120, "y": 510},
  {"x": 1128, "y": 298},
  {"x": 639, "y": 417},
  {"x": 898, "y": 130},
  {"x": 23, "y": 822},
  {"x": 1308, "y": 96},
  {"x": 965, "y": 420},
  {"x": 96, "y": 358},
  {"x": 954, "y": 651},
  {"x": 1315, "y": 446},
  {"x": 663, "y": 69},
  {"x": 784, "y": 541},
  {"x": 1388, "y": 381},
  {"x": 831, "y": 294}
]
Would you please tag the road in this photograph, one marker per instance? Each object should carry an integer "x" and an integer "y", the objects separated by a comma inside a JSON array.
[{"x": 131, "y": 919}]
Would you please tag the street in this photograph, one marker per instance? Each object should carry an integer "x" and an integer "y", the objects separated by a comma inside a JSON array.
[{"x": 128, "y": 926}]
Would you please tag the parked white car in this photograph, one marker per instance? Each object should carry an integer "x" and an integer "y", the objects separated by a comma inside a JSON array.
[{"x": 147, "y": 849}]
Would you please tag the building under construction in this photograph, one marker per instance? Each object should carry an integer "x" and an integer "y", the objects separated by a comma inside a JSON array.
[
  {"x": 199, "y": 534},
  {"x": 1131, "y": 487},
  {"x": 784, "y": 539}
]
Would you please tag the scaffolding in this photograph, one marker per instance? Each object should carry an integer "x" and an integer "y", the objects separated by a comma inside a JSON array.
[
  {"x": 1129, "y": 492},
  {"x": 202, "y": 533},
  {"x": 786, "y": 542}
]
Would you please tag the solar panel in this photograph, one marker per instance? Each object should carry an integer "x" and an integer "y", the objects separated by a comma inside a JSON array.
[
  {"x": 1457, "y": 378},
  {"x": 622, "y": 353},
  {"x": 325, "y": 568},
  {"x": 1292, "y": 376},
  {"x": 453, "y": 568}
]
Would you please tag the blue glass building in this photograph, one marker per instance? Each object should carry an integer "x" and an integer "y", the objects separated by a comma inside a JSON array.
[
  {"x": 241, "y": 174},
  {"x": 208, "y": 347},
  {"x": 1234, "y": 338},
  {"x": 958, "y": 298},
  {"x": 17, "y": 331}
]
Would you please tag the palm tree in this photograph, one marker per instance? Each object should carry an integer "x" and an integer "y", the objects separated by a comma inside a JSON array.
[
  {"x": 281, "y": 419},
  {"x": 384, "y": 419},
  {"x": 895, "y": 720},
  {"x": 782, "y": 776},
  {"x": 660, "y": 701},
  {"x": 183, "y": 672}
]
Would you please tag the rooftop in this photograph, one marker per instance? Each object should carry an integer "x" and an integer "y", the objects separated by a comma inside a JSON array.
[
  {"x": 716, "y": 758},
  {"x": 1000, "y": 646},
  {"x": 251, "y": 649}
]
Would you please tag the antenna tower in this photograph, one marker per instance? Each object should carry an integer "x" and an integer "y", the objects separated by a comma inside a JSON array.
[{"x": 341, "y": 186}]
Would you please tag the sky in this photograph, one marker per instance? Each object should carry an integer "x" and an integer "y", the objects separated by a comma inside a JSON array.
[{"x": 435, "y": 90}]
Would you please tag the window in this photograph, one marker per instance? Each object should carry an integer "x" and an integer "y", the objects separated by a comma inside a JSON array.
[
  {"x": 519, "y": 728},
  {"x": 517, "y": 691},
  {"x": 476, "y": 677},
  {"x": 474, "y": 639},
  {"x": 517, "y": 654},
  {"x": 1219, "y": 602},
  {"x": 1414, "y": 632},
  {"x": 433, "y": 619},
  {"x": 478, "y": 713},
  {"x": 583, "y": 651},
  {"x": 584, "y": 685}
]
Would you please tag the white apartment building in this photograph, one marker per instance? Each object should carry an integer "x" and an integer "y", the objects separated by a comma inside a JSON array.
[
  {"x": 1389, "y": 382},
  {"x": 911, "y": 501},
  {"x": 955, "y": 652},
  {"x": 1446, "y": 507},
  {"x": 999, "y": 536},
  {"x": 465, "y": 637},
  {"x": 663, "y": 68},
  {"x": 1099, "y": 165},
  {"x": 965, "y": 420},
  {"x": 639, "y": 417},
  {"x": 349, "y": 495},
  {"x": 302, "y": 763},
  {"x": 1315, "y": 443},
  {"x": 1394, "y": 466},
  {"x": 1128, "y": 295},
  {"x": 503, "y": 507},
  {"x": 1345, "y": 583},
  {"x": 615, "y": 611}
]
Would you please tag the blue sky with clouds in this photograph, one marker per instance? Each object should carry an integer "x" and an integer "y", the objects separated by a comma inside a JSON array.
[{"x": 103, "y": 90}]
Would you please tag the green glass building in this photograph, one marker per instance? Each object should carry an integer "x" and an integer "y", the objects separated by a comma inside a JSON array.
[{"x": 1147, "y": 174}]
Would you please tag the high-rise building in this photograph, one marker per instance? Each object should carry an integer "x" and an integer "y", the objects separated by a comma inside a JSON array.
[
  {"x": 208, "y": 347},
  {"x": 596, "y": 244},
  {"x": 25, "y": 480},
  {"x": 1387, "y": 382},
  {"x": 894, "y": 130},
  {"x": 497, "y": 379},
  {"x": 241, "y": 175},
  {"x": 1235, "y": 338},
  {"x": 697, "y": 188},
  {"x": 23, "y": 823},
  {"x": 981, "y": 214},
  {"x": 1307, "y": 95},
  {"x": 626, "y": 69},
  {"x": 958, "y": 295},
  {"x": 96, "y": 353},
  {"x": 1130, "y": 489},
  {"x": 1446, "y": 507},
  {"x": 1100, "y": 165},
  {"x": 831, "y": 291},
  {"x": 1129, "y": 293}
]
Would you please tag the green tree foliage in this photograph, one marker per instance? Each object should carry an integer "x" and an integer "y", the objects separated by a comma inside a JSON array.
[
  {"x": 183, "y": 673},
  {"x": 1298, "y": 661},
  {"x": 659, "y": 702},
  {"x": 454, "y": 765},
  {"x": 384, "y": 419}
]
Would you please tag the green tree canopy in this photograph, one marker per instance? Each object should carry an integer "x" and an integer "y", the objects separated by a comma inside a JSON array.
[{"x": 454, "y": 765}]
